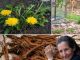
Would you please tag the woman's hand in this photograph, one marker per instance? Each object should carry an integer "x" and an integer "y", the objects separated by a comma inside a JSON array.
[{"x": 49, "y": 52}]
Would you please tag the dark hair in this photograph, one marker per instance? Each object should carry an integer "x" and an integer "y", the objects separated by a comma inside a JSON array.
[{"x": 71, "y": 42}]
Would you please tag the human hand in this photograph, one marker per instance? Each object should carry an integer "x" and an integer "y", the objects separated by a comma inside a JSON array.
[{"x": 49, "y": 52}]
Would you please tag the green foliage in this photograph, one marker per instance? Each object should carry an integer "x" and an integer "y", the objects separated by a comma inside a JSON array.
[
  {"x": 22, "y": 12},
  {"x": 57, "y": 31},
  {"x": 73, "y": 17},
  {"x": 70, "y": 30},
  {"x": 59, "y": 3}
]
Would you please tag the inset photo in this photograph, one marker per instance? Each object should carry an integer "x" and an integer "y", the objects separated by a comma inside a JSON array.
[
  {"x": 25, "y": 16},
  {"x": 39, "y": 47},
  {"x": 65, "y": 17}
]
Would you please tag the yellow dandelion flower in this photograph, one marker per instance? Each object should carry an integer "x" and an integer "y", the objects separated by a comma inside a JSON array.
[
  {"x": 11, "y": 21},
  {"x": 31, "y": 20},
  {"x": 5, "y": 12}
]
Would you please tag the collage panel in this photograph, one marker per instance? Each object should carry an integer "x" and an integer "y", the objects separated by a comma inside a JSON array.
[
  {"x": 65, "y": 17},
  {"x": 25, "y": 17},
  {"x": 39, "y": 47},
  {"x": 39, "y": 29}
]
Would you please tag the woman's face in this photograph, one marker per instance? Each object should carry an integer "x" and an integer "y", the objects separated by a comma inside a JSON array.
[{"x": 65, "y": 51}]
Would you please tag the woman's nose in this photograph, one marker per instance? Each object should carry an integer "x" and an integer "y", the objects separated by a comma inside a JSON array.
[{"x": 64, "y": 54}]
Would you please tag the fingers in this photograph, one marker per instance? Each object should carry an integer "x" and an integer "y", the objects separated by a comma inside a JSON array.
[
  {"x": 48, "y": 48},
  {"x": 48, "y": 52}
]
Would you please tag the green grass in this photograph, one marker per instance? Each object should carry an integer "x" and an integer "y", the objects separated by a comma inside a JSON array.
[
  {"x": 70, "y": 30},
  {"x": 57, "y": 31},
  {"x": 73, "y": 17}
]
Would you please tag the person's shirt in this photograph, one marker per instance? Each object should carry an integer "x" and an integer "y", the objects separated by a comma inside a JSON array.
[{"x": 75, "y": 57}]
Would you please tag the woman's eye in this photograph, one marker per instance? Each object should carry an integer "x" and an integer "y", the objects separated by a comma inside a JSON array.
[
  {"x": 60, "y": 51},
  {"x": 66, "y": 49}
]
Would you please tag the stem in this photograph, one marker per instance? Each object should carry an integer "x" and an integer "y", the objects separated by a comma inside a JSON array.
[
  {"x": 38, "y": 8},
  {"x": 28, "y": 10},
  {"x": 55, "y": 10}
]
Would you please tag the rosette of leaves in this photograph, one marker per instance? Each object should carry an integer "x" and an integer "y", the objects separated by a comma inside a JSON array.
[{"x": 22, "y": 12}]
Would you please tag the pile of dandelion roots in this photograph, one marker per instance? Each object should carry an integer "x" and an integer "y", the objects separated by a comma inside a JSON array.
[{"x": 31, "y": 47}]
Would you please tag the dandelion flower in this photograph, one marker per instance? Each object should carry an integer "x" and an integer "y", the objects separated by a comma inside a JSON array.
[
  {"x": 5, "y": 12},
  {"x": 31, "y": 20},
  {"x": 11, "y": 21}
]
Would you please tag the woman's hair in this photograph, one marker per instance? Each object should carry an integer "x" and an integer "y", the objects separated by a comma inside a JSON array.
[{"x": 70, "y": 41}]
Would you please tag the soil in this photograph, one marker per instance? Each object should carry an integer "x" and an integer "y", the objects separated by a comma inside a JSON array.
[{"x": 64, "y": 25}]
